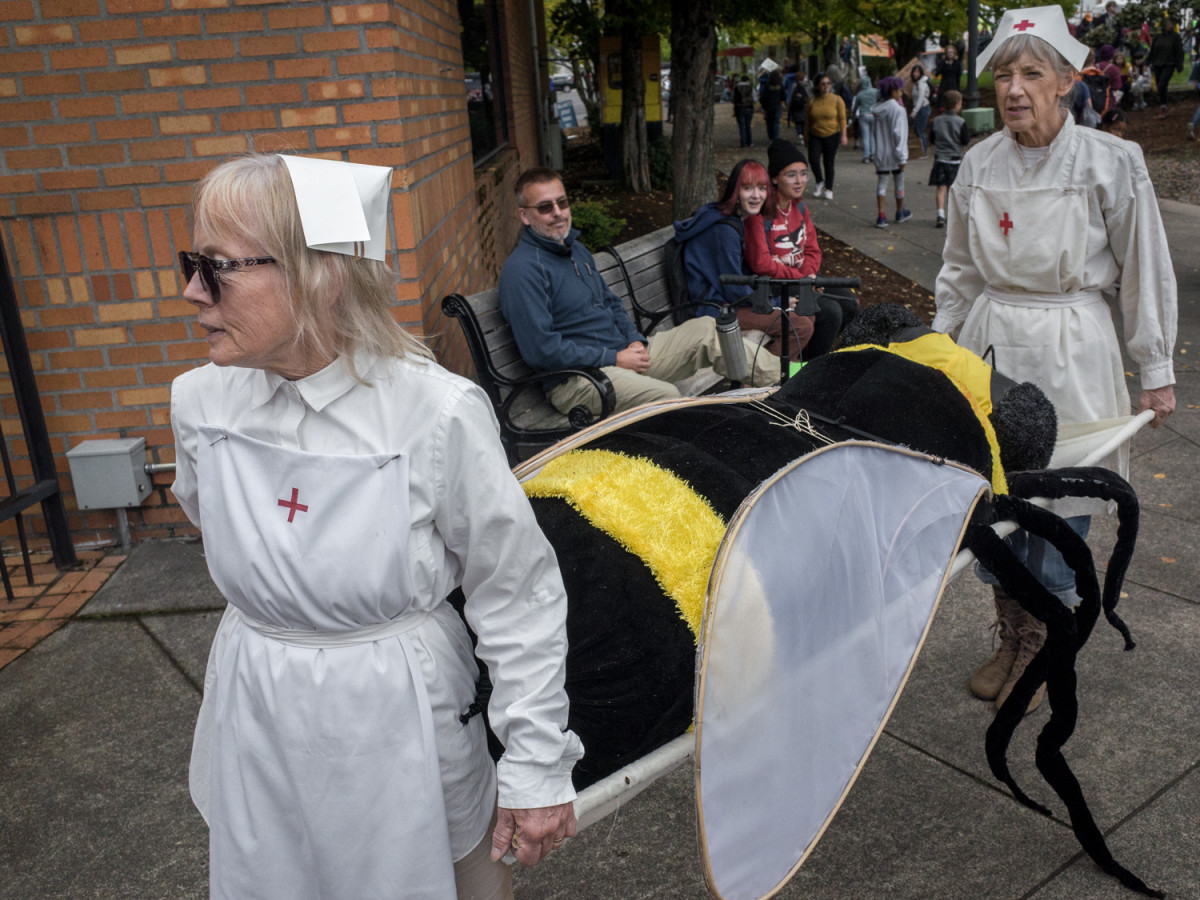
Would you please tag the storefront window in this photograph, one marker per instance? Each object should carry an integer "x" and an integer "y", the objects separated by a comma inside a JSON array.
[{"x": 484, "y": 84}]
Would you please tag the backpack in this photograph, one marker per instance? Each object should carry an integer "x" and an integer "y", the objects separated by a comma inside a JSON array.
[
  {"x": 798, "y": 104},
  {"x": 676, "y": 272},
  {"x": 1097, "y": 85},
  {"x": 743, "y": 94},
  {"x": 771, "y": 98}
]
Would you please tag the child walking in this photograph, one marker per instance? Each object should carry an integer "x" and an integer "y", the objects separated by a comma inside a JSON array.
[
  {"x": 891, "y": 147},
  {"x": 950, "y": 136}
]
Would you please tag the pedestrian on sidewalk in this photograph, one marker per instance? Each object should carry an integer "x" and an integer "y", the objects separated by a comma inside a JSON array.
[
  {"x": 743, "y": 109},
  {"x": 864, "y": 102},
  {"x": 1165, "y": 58},
  {"x": 798, "y": 102},
  {"x": 922, "y": 106},
  {"x": 824, "y": 132},
  {"x": 950, "y": 138},
  {"x": 891, "y": 148},
  {"x": 346, "y": 484},
  {"x": 1043, "y": 218},
  {"x": 949, "y": 73},
  {"x": 771, "y": 100}
]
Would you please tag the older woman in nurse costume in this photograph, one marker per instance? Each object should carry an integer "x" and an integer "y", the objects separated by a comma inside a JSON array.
[
  {"x": 1045, "y": 216},
  {"x": 345, "y": 484}
]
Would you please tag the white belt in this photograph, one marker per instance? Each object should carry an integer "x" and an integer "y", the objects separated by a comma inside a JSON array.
[
  {"x": 321, "y": 640},
  {"x": 1042, "y": 301}
]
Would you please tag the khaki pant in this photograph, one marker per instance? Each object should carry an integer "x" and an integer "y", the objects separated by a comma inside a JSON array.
[
  {"x": 478, "y": 878},
  {"x": 674, "y": 355}
]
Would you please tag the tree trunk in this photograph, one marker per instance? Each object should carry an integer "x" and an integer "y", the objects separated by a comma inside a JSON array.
[
  {"x": 906, "y": 46},
  {"x": 635, "y": 149},
  {"x": 583, "y": 71},
  {"x": 693, "y": 71}
]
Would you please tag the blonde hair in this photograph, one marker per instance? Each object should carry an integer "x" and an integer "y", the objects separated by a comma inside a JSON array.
[{"x": 340, "y": 305}]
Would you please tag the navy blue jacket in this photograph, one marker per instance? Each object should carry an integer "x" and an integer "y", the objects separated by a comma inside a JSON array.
[
  {"x": 562, "y": 313},
  {"x": 712, "y": 247}
]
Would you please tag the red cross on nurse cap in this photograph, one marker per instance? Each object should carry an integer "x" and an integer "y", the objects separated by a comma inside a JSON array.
[
  {"x": 1045, "y": 22},
  {"x": 343, "y": 206}
]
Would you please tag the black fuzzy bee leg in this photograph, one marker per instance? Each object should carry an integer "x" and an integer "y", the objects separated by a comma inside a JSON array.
[
  {"x": 1101, "y": 484},
  {"x": 1066, "y": 631}
]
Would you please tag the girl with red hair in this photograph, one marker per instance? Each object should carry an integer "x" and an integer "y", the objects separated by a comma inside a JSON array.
[{"x": 713, "y": 242}]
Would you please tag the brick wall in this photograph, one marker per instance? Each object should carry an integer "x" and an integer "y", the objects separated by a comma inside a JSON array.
[{"x": 110, "y": 110}]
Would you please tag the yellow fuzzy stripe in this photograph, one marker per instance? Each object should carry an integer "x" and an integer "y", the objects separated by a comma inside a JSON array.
[
  {"x": 967, "y": 372},
  {"x": 649, "y": 511}
]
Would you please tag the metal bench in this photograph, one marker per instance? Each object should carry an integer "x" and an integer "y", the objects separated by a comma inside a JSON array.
[{"x": 635, "y": 272}]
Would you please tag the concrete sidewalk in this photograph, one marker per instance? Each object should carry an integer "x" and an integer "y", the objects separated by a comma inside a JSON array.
[{"x": 96, "y": 720}]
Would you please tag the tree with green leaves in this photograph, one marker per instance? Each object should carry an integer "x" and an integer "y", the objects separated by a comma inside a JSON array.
[
  {"x": 1128, "y": 22},
  {"x": 574, "y": 28},
  {"x": 694, "y": 26}
]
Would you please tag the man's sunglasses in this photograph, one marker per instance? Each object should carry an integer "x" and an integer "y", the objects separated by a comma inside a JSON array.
[
  {"x": 547, "y": 208},
  {"x": 210, "y": 269}
]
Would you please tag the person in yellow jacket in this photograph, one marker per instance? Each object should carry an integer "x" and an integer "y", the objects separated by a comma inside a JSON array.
[{"x": 824, "y": 131}]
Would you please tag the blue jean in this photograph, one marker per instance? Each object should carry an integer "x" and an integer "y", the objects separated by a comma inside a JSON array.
[
  {"x": 1044, "y": 562},
  {"x": 1196, "y": 117},
  {"x": 866, "y": 128},
  {"x": 920, "y": 122},
  {"x": 772, "y": 123},
  {"x": 744, "y": 118}
]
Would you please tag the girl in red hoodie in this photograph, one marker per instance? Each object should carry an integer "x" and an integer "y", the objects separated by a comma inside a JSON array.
[{"x": 786, "y": 247}]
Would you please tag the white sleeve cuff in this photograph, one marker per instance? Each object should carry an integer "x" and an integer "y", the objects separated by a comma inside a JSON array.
[{"x": 531, "y": 786}]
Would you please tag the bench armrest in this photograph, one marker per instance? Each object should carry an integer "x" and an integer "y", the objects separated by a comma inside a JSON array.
[{"x": 579, "y": 416}]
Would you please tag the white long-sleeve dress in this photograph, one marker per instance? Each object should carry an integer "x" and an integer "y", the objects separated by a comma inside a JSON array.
[
  {"x": 1029, "y": 251},
  {"x": 329, "y": 758}
]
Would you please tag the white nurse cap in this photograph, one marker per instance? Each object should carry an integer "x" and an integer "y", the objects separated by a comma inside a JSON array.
[
  {"x": 343, "y": 206},
  {"x": 1045, "y": 22}
]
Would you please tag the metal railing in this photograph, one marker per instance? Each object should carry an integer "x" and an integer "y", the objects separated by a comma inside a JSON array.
[{"x": 45, "y": 489}]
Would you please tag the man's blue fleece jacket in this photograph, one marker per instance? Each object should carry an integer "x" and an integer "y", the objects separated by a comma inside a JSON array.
[{"x": 562, "y": 313}]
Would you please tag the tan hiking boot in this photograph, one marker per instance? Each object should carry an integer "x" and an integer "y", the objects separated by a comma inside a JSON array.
[
  {"x": 991, "y": 676},
  {"x": 1032, "y": 633}
]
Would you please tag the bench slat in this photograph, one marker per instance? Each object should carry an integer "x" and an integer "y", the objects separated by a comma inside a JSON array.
[{"x": 530, "y": 411}]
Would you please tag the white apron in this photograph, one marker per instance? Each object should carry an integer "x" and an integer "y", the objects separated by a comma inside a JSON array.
[
  {"x": 316, "y": 757},
  {"x": 1030, "y": 246}
]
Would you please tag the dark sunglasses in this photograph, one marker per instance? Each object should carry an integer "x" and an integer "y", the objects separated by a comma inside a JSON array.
[
  {"x": 210, "y": 269},
  {"x": 547, "y": 208}
]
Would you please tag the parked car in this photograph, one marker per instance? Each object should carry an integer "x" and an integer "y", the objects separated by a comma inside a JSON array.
[
  {"x": 562, "y": 81},
  {"x": 474, "y": 87}
]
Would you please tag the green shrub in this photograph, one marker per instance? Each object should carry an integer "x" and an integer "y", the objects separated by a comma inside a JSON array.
[
  {"x": 596, "y": 227},
  {"x": 662, "y": 178}
]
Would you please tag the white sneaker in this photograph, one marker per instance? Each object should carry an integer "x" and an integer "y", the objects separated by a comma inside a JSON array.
[
  {"x": 828, "y": 195},
  {"x": 820, "y": 187}
]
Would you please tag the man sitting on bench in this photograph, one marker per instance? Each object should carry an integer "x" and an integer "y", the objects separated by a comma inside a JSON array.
[{"x": 563, "y": 315}]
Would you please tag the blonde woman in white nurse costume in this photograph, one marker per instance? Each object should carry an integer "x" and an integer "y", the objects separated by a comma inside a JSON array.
[
  {"x": 345, "y": 484},
  {"x": 1043, "y": 217}
]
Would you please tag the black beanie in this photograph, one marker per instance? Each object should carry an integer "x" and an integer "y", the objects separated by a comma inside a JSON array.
[{"x": 781, "y": 154}]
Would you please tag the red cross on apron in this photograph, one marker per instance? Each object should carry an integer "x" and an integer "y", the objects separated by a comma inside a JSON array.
[
  {"x": 1022, "y": 25},
  {"x": 293, "y": 506},
  {"x": 1006, "y": 223}
]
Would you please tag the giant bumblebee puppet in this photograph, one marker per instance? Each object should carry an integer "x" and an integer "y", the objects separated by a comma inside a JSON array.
[{"x": 637, "y": 506}]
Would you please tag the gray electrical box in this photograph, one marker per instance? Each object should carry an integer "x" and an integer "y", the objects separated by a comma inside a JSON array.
[{"x": 109, "y": 473}]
